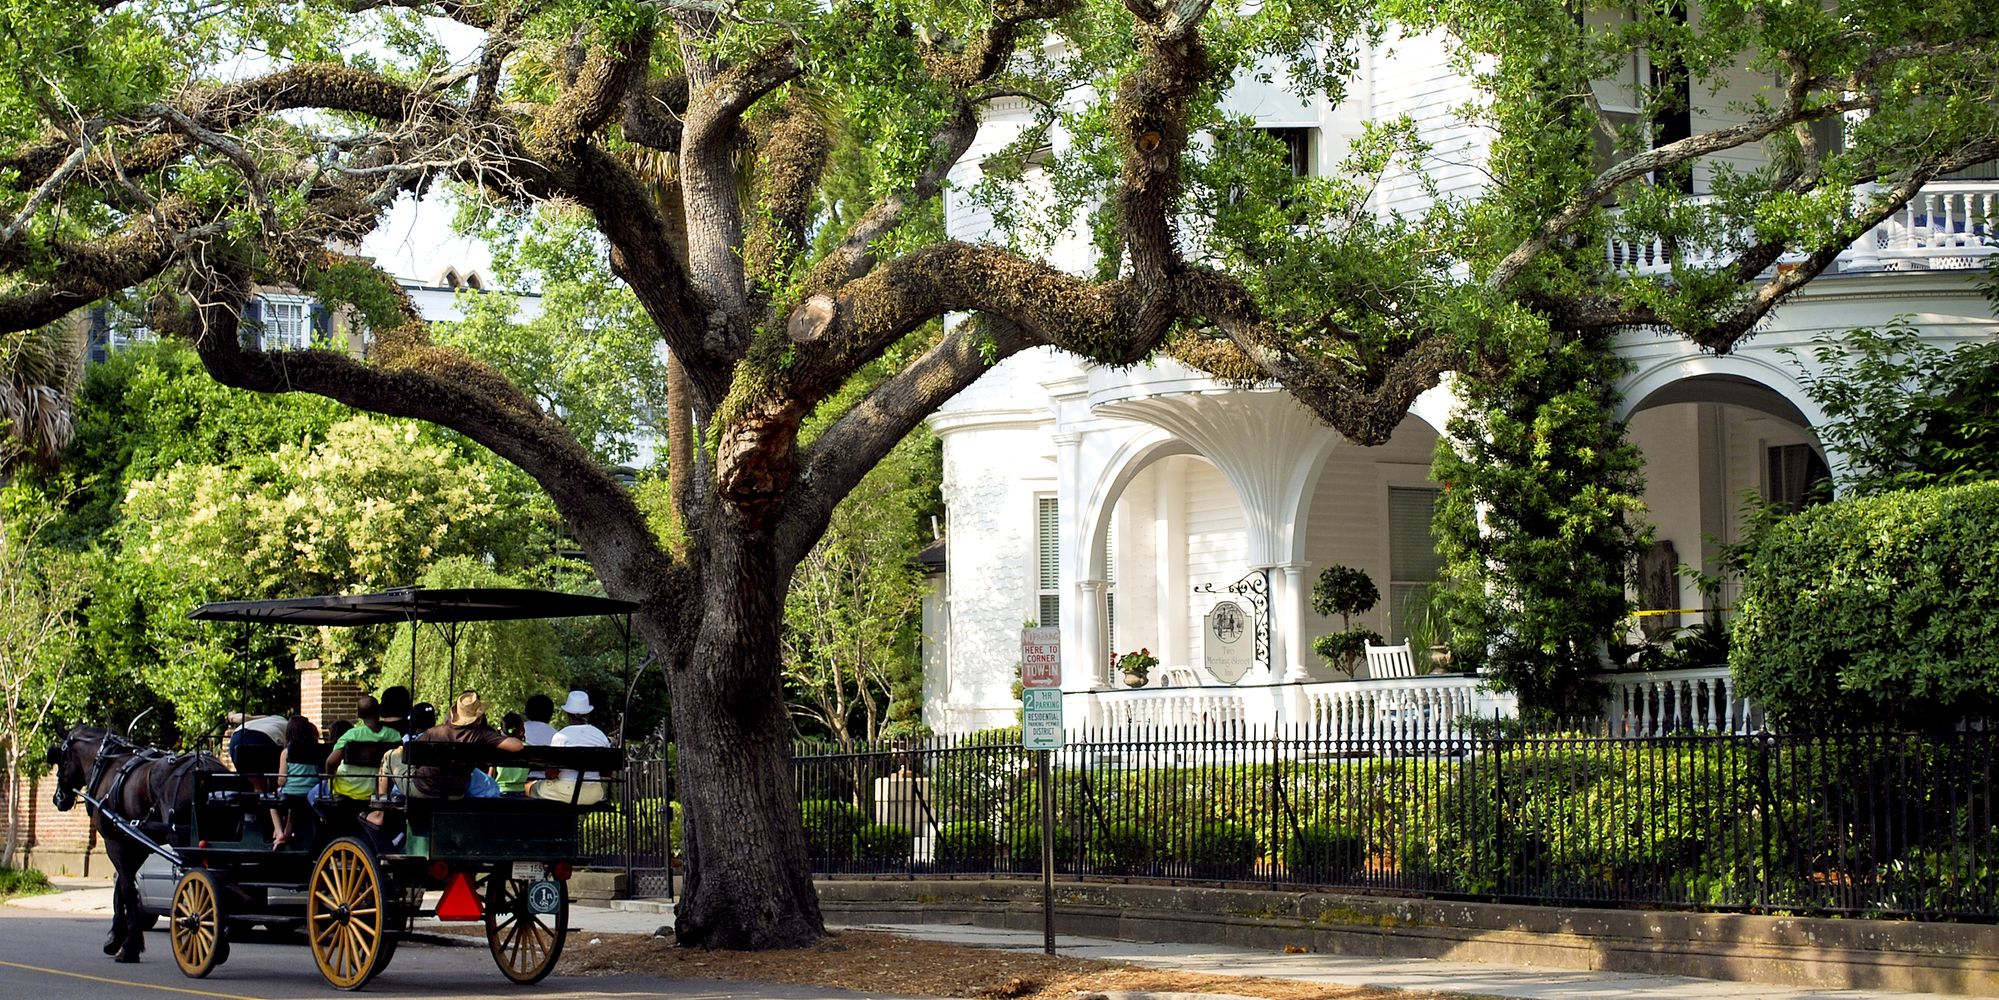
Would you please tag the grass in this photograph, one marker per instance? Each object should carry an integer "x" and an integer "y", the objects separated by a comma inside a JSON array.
[{"x": 23, "y": 882}]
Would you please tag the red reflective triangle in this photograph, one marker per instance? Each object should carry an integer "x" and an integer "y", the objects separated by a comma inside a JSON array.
[{"x": 459, "y": 902}]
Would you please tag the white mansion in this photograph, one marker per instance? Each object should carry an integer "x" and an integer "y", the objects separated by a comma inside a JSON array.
[{"x": 1123, "y": 506}]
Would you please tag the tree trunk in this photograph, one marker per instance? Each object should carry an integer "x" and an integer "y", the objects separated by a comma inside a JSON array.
[{"x": 749, "y": 878}]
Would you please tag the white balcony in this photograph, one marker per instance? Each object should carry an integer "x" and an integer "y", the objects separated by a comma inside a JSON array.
[{"x": 1950, "y": 225}]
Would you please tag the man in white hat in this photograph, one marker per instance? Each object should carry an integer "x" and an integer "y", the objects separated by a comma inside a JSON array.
[{"x": 561, "y": 786}]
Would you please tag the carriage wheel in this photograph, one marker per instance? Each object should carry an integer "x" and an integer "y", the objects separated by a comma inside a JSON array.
[
  {"x": 194, "y": 925},
  {"x": 526, "y": 938},
  {"x": 347, "y": 915}
]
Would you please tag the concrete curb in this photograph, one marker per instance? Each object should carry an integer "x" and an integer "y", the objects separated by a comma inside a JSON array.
[{"x": 1961, "y": 959}]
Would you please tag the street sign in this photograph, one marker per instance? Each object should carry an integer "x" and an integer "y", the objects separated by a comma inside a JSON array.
[
  {"x": 1041, "y": 718},
  {"x": 1041, "y": 657}
]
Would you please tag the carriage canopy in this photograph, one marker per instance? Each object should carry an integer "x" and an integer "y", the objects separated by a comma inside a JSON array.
[{"x": 471, "y": 604}]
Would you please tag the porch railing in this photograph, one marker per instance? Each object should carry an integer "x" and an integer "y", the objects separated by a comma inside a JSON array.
[{"x": 1949, "y": 225}]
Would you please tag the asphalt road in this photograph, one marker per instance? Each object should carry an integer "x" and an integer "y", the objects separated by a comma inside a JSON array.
[{"x": 56, "y": 956}]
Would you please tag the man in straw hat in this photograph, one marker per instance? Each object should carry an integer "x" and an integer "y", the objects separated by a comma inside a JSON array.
[
  {"x": 466, "y": 724},
  {"x": 561, "y": 786}
]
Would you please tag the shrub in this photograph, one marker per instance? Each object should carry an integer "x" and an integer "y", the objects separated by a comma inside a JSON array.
[
  {"x": 1222, "y": 850},
  {"x": 1024, "y": 846},
  {"x": 1881, "y": 610},
  {"x": 882, "y": 843},
  {"x": 1326, "y": 853},
  {"x": 966, "y": 845},
  {"x": 830, "y": 827},
  {"x": 23, "y": 882},
  {"x": 1122, "y": 848}
]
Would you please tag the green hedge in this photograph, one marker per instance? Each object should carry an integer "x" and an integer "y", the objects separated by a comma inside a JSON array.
[
  {"x": 830, "y": 827},
  {"x": 1326, "y": 853},
  {"x": 882, "y": 843},
  {"x": 1879, "y": 611},
  {"x": 967, "y": 846},
  {"x": 1222, "y": 850}
]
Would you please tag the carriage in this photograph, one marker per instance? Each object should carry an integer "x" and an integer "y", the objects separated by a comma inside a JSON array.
[{"x": 355, "y": 887}]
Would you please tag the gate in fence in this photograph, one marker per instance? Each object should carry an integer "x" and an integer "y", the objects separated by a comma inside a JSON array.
[{"x": 637, "y": 834}]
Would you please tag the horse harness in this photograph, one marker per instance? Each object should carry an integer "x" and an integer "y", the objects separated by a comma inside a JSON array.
[{"x": 133, "y": 756}]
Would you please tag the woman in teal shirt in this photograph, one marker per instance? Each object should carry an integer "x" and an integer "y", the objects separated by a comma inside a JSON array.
[{"x": 299, "y": 763}]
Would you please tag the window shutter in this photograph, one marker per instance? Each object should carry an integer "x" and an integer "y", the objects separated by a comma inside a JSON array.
[
  {"x": 322, "y": 326},
  {"x": 252, "y": 332},
  {"x": 1412, "y": 552},
  {"x": 100, "y": 332},
  {"x": 1049, "y": 530}
]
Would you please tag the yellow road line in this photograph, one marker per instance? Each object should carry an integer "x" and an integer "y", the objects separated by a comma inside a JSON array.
[{"x": 128, "y": 982}]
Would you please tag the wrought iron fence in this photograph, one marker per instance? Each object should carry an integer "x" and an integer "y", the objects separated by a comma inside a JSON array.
[
  {"x": 637, "y": 833},
  {"x": 1864, "y": 824}
]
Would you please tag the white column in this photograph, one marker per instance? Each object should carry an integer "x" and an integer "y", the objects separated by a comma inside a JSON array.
[
  {"x": 1169, "y": 545},
  {"x": 1288, "y": 617},
  {"x": 1078, "y": 674},
  {"x": 1090, "y": 633}
]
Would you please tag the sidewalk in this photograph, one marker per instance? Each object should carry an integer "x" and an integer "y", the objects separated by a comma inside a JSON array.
[{"x": 646, "y": 916}]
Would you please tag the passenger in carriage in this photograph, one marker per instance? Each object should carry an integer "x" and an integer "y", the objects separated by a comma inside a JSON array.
[
  {"x": 467, "y": 724},
  {"x": 357, "y": 781},
  {"x": 563, "y": 785},
  {"x": 536, "y": 731},
  {"x": 299, "y": 762},
  {"x": 512, "y": 782},
  {"x": 254, "y": 746},
  {"x": 395, "y": 704}
]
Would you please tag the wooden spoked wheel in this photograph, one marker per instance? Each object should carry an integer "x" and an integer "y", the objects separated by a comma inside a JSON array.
[
  {"x": 522, "y": 927},
  {"x": 195, "y": 925},
  {"x": 347, "y": 915}
]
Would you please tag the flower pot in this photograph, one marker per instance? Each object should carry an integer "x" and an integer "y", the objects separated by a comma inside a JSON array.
[
  {"x": 1134, "y": 680},
  {"x": 1440, "y": 659}
]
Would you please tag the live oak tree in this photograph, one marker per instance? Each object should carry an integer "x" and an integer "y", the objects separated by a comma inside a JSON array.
[{"x": 766, "y": 175}]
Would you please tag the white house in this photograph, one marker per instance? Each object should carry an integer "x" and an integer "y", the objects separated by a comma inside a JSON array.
[{"x": 1123, "y": 506}]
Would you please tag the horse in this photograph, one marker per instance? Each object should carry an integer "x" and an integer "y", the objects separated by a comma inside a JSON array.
[{"x": 149, "y": 788}]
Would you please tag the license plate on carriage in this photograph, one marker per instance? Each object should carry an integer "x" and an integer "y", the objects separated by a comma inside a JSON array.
[{"x": 530, "y": 871}]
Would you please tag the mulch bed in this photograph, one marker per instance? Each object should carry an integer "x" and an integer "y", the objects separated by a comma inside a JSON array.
[{"x": 885, "y": 963}]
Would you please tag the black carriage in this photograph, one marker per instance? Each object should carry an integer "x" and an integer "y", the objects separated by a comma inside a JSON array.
[{"x": 357, "y": 886}]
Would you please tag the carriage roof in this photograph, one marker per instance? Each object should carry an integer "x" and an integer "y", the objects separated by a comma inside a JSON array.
[{"x": 470, "y": 604}]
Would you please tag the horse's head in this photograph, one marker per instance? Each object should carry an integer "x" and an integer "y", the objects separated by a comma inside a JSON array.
[{"x": 72, "y": 756}]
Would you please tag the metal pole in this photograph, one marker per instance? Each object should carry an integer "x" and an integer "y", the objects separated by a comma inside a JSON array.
[{"x": 1047, "y": 853}]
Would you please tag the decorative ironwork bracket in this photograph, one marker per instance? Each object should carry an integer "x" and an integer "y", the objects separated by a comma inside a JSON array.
[{"x": 1254, "y": 588}]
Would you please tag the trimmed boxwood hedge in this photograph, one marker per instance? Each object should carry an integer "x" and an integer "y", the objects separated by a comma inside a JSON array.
[{"x": 1876, "y": 611}]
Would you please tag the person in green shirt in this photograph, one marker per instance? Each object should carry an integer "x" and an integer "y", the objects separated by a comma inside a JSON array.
[
  {"x": 357, "y": 781},
  {"x": 513, "y": 781}
]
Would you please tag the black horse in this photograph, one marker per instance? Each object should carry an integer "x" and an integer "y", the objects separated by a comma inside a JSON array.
[{"x": 149, "y": 788}]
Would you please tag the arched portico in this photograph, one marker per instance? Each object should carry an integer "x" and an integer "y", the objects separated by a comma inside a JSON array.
[{"x": 1713, "y": 430}]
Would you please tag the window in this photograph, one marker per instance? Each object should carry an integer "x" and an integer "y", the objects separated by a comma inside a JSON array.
[
  {"x": 1413, "y": 563},
  {"x": 284, "y": 323},
  {"x": 1297, "y": 148},
  {"x": 1048, "y": 549},
  {"x": 1796, "y": 472}
]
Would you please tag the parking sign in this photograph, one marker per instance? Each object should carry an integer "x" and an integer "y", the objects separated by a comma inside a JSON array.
[{"x": 1040, "y": 658}]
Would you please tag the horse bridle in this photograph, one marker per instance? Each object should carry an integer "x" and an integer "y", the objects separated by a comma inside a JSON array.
[{"x": 65, "y": 796}]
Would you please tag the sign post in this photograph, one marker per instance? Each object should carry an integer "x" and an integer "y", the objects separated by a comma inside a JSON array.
[{"x": 1041, "y": 732}]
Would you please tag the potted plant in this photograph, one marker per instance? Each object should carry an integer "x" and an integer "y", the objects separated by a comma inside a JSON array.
[
  {"x": 1426, "y": 631},
  {"x": 1345, "y": 591},
  {"x": 1137, "y": 666}
]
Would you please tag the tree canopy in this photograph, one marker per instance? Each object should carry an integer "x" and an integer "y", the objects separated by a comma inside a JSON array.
[{"x": 765, "y": 175}]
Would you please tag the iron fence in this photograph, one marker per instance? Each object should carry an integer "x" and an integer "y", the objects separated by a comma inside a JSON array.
[
  {"x": 637, "y": 832},
  {"x": 1863, "y": 824}
]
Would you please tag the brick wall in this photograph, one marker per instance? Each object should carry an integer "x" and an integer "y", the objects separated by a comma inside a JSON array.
[{"x": 324, "y": 699}]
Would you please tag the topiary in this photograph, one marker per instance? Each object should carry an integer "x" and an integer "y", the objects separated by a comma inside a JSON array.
[
  {"x": 1324, "y": 853},
  {"x": 1122, "y": 848},
  {"x": 882, "y": 843},
  {"x": 966, "y": 845},
  {"x": 830, "y": 827},
  {"x": 1222, "y": 849},
  {"x": 1344, "y": 591}
]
